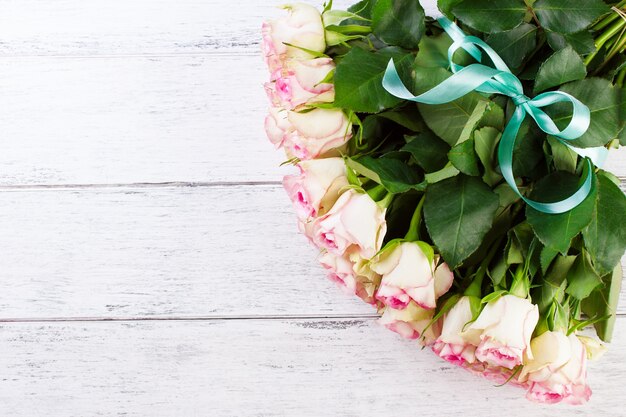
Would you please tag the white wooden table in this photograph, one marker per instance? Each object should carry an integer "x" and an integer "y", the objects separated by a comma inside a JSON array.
[{"x": 150, "y": 262}]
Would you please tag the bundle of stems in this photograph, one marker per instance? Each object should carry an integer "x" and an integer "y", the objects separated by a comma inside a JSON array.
[{"x": 610, "y": 41}]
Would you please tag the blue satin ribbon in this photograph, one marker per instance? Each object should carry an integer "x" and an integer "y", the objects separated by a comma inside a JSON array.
[{"x": 500, "y": 80}]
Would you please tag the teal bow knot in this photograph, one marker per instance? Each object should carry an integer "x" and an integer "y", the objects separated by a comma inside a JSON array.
[{"x": 500, "y": 80}]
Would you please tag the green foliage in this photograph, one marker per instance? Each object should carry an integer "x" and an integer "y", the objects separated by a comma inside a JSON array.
[
  {"x": 490, "y": 16},
  {"x": 605, "y": 236},
  {"x": 567, "y": 16},
  {"x": 358, "y": 79},
  {"x": 393, "y": 174},
  {"x": 603, "y": 303},
  {"x": 398, "y": 22},
  {"x": 562, "y": 67},
  {"x": 514, "y": 45},
  {"x": 459, "y": 212},
  {"x": 556, "y": 231}
]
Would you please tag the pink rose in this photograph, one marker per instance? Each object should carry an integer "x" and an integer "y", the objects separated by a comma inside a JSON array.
[
  {"x": 558, "y": 370},
  {"x": 318, "y": 186},
  {"x": 457, "y": 344},
  {"x": 409, "y": 275},
  {"x": 342, "y": 271},
  {"x": 316, "y": 132},
  {"x": 355, "y": 224},
  {"x": 302, "y": 28},
  {"x": 411, "y": 322},
  {"x": 300, "y": 82},
  {"x": 506, "y": 326}
]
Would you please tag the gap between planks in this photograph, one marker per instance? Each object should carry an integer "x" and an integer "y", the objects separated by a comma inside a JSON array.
[
  {"x": 167, "y": 184},
  {"x": 264, "y": 317},
  {"x": 307, "y": 317}
]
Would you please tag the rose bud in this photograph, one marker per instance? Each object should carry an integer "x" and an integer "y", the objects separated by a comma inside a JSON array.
[
  {"x": 409, "y": 275},
  {"x": 318, "y": 186},
  {"x": 355, "y": 224},
  {"x": 317, "y": 132},
  {"x": 302, "y": 28},
  {"x": 506, "y": 326},
  {"x": 558, "y": 370},
  {"x": 411, "y": 322},
  {"x": 300, "y": 82}
]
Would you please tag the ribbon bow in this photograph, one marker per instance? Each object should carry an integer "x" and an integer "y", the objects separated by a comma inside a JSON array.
[{"x": 500, "y": 80}]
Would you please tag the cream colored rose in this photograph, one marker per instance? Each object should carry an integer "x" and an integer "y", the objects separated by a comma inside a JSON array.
[
  {"x": 346, "y": 274},
  {"x": 317, "y": 132},
  {"x": 318, "y": 186},
  {"x": 506, "y": 326},
  {"x": 355, "y": 224},
  {"x": 457, "y": 343},
  {"x": 558, "y": 369},
  {"x": 302, "y": 27},
  {"x": 408, "y": 275},
  {"x": 300, "y": 82},
  {"x": 411, "y": 322}
]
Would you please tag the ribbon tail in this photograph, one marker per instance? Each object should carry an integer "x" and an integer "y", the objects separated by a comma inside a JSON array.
[
  {"x": 505, "y": 156},
  {"x": 459, "y": 84}
]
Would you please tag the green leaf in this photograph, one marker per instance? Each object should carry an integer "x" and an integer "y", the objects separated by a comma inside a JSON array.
[
  {"x": 514, "y": 45},
  {"x": 582, "y": 279},
  {"x": 464, "y": 158},
  {"x": 485, "y": 143},
  {"x": 445, "y": 6},
  {"x": 567, "y": 16},
  {"x": 398, "y": 22},
  {"x": 528, "y": 149},
  {"x": 447, "y": 120},
  {"x": 561, "y": 67},
  {"x": 553, "y": 285},
  {"x": 395, "y": 175},
  {"x": 490, "y": 16},
  {"x": 363, "y": 8},
  {"x": 459, "y": 212},
  {"x": 444, "y": 173},
  {"x": 605, "y": 236},
  {"x": 407, "y": 117},
  {"x": 428, "y": 151},
  {"x": 547, "y": 256},
  {"x": 493, "y": 116},
  {"x": 493, "y": 296},
  {"x": 603, "y": 302},
  {"x": 563, "y": 157},
  {"x": 582, "y": 41},
  {"x": 433, "y": 52},
  {"x": 358, "y": 79},
  {"x": 603, "y": 100},
  {"x": 557, "y": 230}
]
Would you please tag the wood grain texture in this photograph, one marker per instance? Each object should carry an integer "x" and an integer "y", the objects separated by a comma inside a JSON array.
[
  {"x": 254, "y": 368},
  {"x": 134, "y": 119},
  {"x": 121, "y": 27},
  {"x": 167, "y": 252},
  {"x": 170, "y": 251}
]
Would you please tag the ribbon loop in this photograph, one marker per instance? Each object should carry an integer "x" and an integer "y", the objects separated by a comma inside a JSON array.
[{"x": 498, "y": 79}]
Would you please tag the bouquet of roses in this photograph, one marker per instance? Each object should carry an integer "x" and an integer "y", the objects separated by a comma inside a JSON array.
[{"x": 450, "y": 172}]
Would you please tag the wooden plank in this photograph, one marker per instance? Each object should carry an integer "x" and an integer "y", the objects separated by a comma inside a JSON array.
[
  {"x": 134, "y": 119},
  {"x": 160, "y": 252},
  {"x": 113, "y": 27},
  {"x": 172, "y": 251},
  {"x": 257, "y": 368},
  {"x": 139, "y": 119}
]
